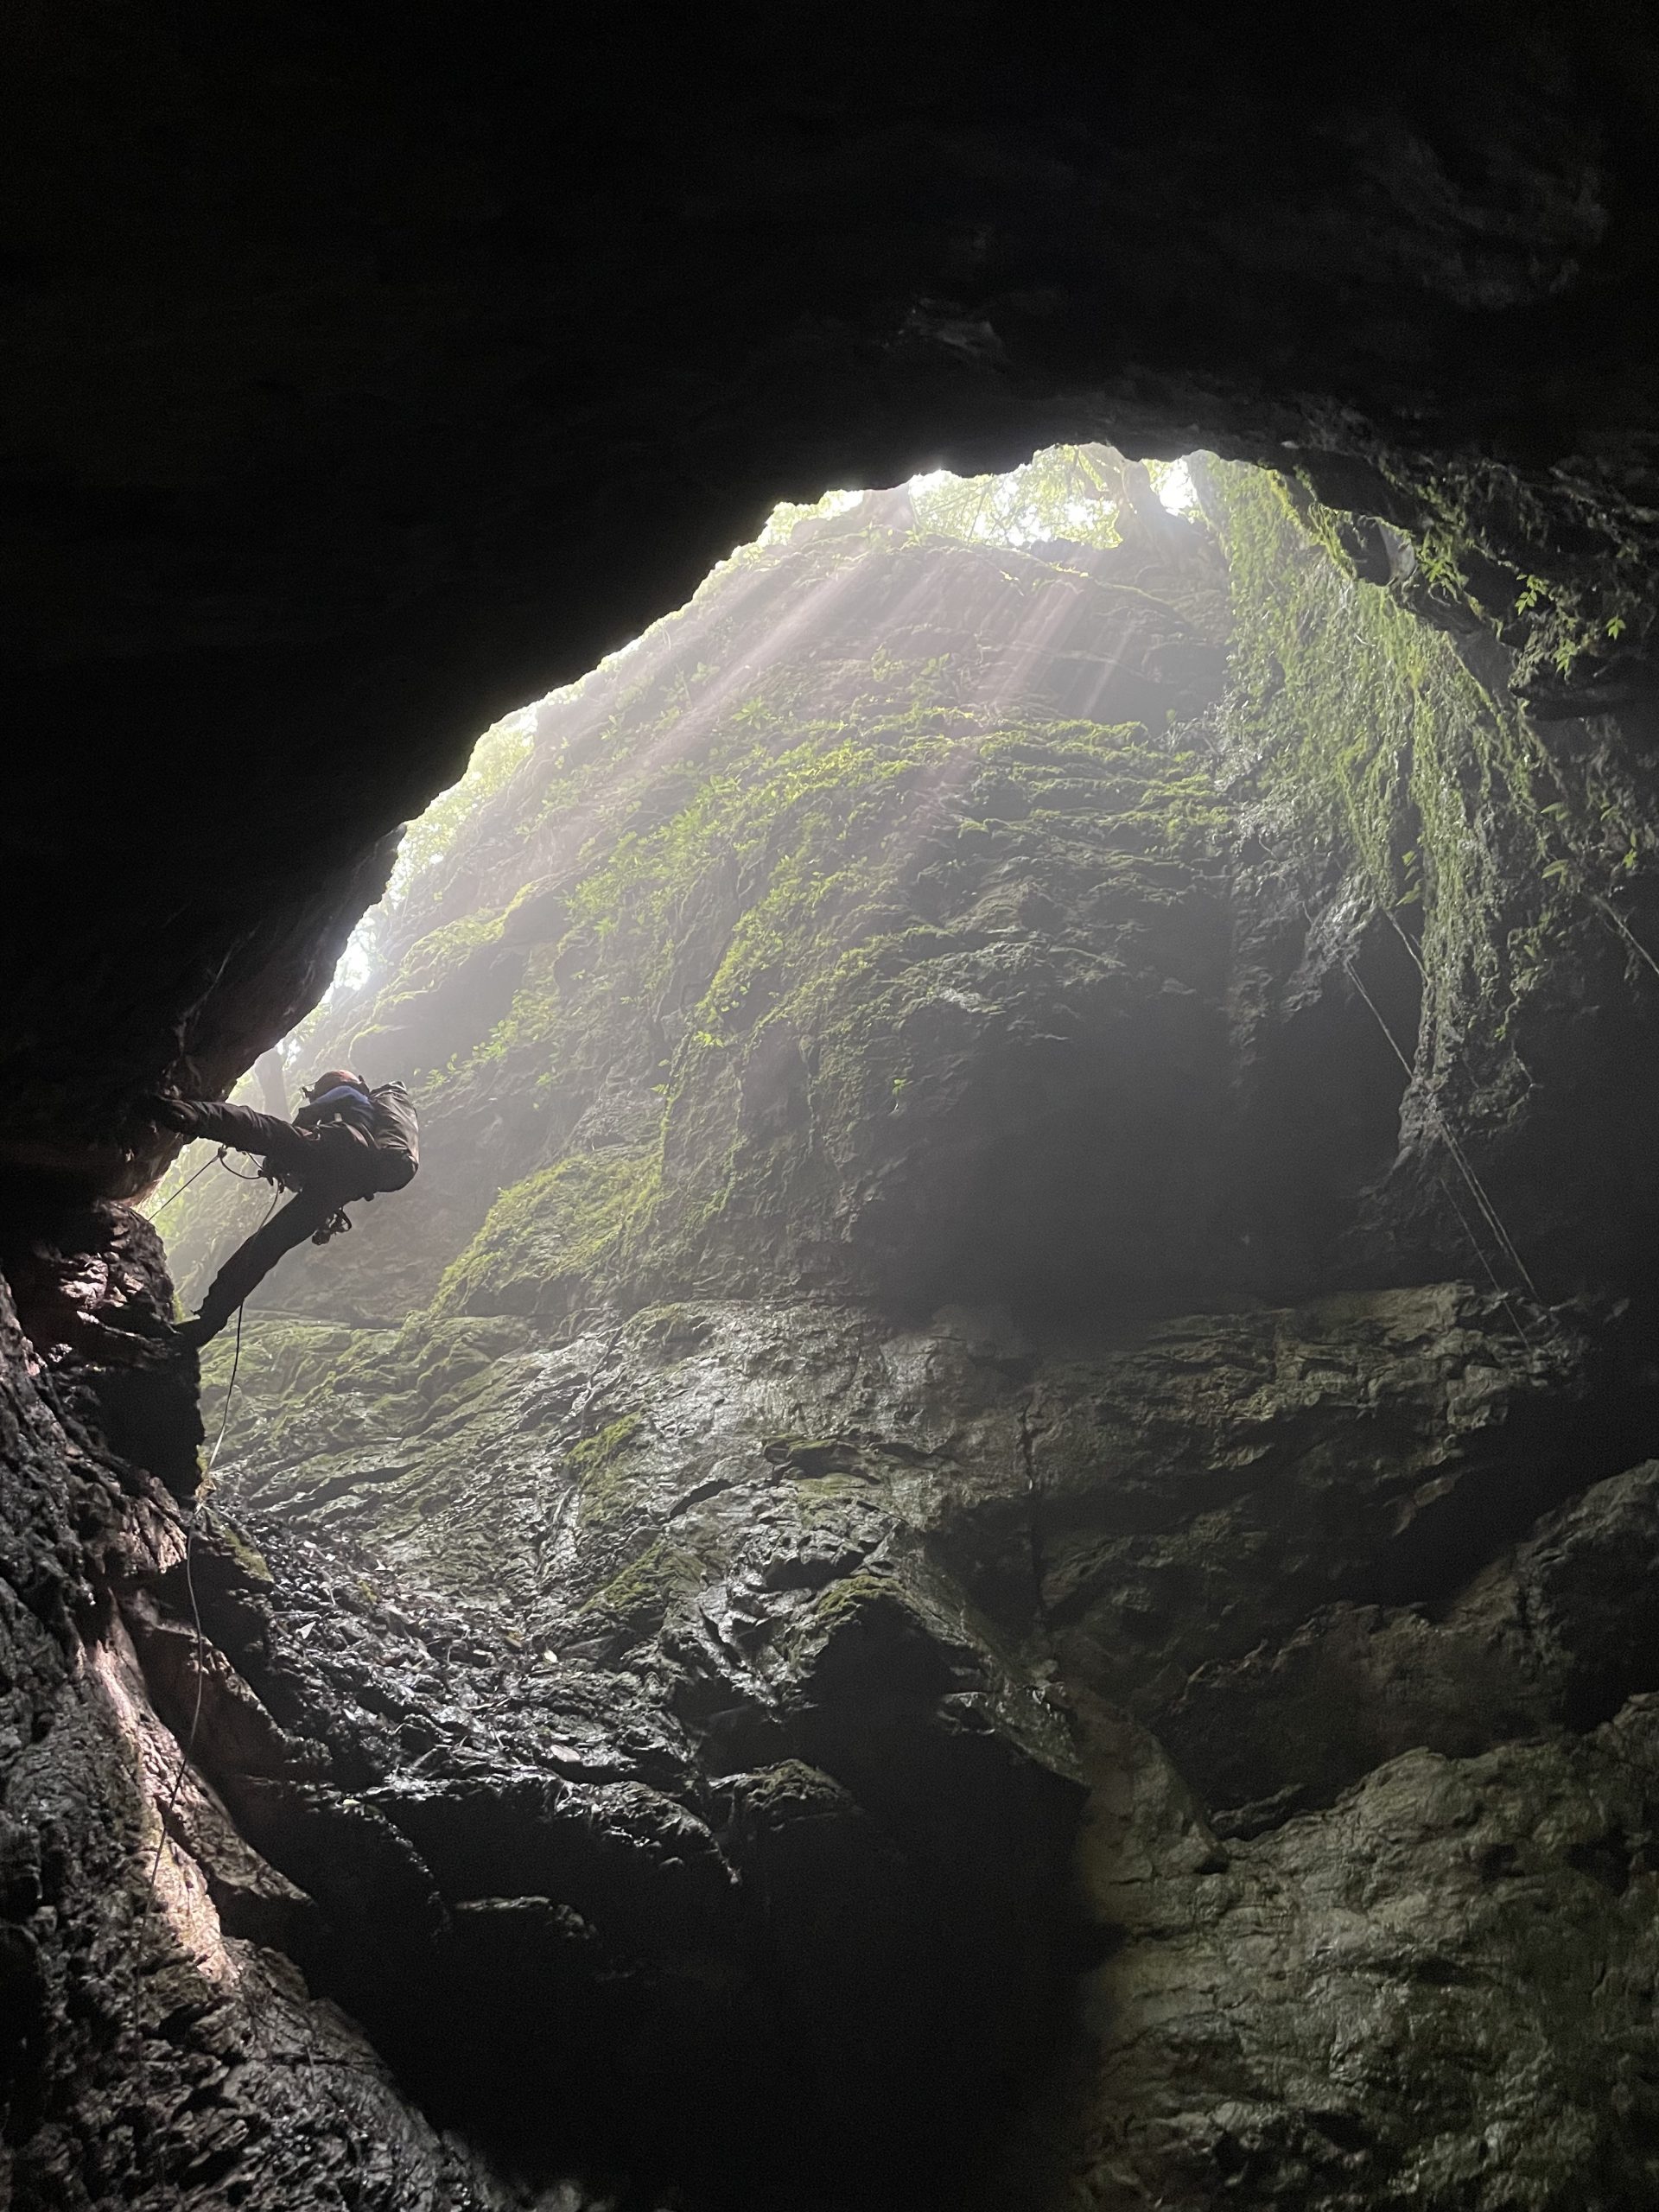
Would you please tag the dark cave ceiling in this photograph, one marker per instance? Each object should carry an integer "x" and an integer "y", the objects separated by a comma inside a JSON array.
[{"x": 373, "y": 371}]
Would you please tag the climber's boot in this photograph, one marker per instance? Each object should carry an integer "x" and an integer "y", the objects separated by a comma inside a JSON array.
[{"x": 191, "y": 1335}]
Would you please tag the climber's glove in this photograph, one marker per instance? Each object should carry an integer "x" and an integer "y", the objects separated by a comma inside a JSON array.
[{"x": 180, "y": 1114}]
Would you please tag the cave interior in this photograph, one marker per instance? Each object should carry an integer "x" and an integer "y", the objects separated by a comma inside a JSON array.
[{"x": 987, "y": 1532}]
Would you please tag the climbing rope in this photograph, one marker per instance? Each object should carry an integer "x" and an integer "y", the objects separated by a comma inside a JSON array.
[
  {"x": 185, "y": 1185},
  {"x": 217, "y": 1160},
  {"x": 1578, "y": 877},
  {"x": 259, "y": 1175},
  {"x": 1488, "y": 1213},
  {"x": 1477, "y": 1191},
  {"x": 1611, "y": 912},
  {"x": 188, "y": 1750},
  {"x": 1436, "y": 1115},
  {"x": 1481, "y": 1197}
]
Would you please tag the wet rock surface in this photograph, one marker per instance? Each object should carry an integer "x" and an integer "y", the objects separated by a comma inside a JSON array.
[
  {"x": 158, "y": 2046},
  {"x": 676, "y": 1694},
  {"x": 1231, "y": 1570},
  {"x": 1438, "y": 1991},
  {"x": 780, "y": 1820}
]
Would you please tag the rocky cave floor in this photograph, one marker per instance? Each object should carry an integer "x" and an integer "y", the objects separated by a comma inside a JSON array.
[{"x": 753, "y": 1738}]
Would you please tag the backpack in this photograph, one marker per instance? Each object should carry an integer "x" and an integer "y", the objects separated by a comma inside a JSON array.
[{"x": 397, "y": 1134}]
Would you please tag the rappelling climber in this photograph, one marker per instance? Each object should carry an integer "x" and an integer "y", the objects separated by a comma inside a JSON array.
[{"x": 346, "y": 1142}]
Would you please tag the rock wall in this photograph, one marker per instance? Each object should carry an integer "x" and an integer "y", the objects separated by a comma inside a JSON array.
[
  {"x": 941, "y": 1558},
  {"x": 157, "y": 2045},
  {"x": 365, "y": 378},
  {"x": 981, "y": 1535}
]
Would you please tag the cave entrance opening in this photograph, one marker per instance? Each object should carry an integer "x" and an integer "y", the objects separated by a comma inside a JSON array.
[
  {"x": 923, "y": 812},
  {"x": 990, "y": 918}
]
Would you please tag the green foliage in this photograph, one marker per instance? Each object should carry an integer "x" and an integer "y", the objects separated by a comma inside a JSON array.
[
  {"x": 1368, "y": 735},
  {"x": 1066, "y": 492},
  {"x": 1373, "y": 736},
  {"x": 1070, "y": 493},
  {"x": 497, "y": 757},
  {"x": 785, "y": 517}
]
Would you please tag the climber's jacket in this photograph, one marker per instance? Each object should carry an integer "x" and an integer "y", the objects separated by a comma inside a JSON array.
[
  {"x": 339, "y": 1125},
  {"x": 353, "y": 1141}
]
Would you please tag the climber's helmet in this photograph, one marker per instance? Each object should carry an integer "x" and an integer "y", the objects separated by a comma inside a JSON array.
[{"x": 334, "y": 1079}]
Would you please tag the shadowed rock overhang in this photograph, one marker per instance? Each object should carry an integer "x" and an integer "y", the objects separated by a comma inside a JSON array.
[{"x": 369, "y": 373}]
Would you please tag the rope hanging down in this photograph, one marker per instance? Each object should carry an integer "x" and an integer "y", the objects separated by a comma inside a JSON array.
[
  {"x": 217, "y": 1160},
  {"x": 1613, "y": 919},
  {"x": 1611, "y": 913},
  {"x": 1478, "y": 1190},
  {"x": 1482, "y": 1198},
  {"x": 1478, "y": 1249},
  {"x": 188, "y": 1750}
]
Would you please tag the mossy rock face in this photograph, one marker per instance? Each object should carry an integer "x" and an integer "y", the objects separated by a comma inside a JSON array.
[
  {"x": 821, "y": 942},
  {"x": 740, "y": 924},
  {"x": 1489, "y": 880},
  {"x": 917, "y": 1456},
  {"x": 940, "y": 1084},
  {"x": 548, "y": 1240}
]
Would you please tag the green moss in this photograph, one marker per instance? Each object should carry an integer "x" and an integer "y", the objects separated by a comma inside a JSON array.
[
  {"x": 601, "y": 1469},
  {"x": 640, "y": 1596},
  {"x": 547, "y": 1238},
  {"x": 313, "y": 1388},
  {"x": 251, "y": 1560},
  {"x": 790, "y": 871},
  {"x": 590, "y": 1459},
  {"x": 787, "y": 861},
  {"x": 843, "y": 1601},
  {"x": 499, "y": 756},
  {"x": 1367, "y": 735}
]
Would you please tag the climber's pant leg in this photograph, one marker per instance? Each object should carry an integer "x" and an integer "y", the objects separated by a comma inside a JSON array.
[
  {"x": 245, "y": 1129},
  {"x": 250, "y": 1264}
]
